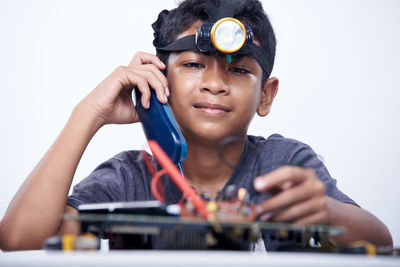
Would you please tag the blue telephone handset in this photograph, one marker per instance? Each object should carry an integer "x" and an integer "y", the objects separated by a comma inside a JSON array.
[{"x": 159, "y": 124}]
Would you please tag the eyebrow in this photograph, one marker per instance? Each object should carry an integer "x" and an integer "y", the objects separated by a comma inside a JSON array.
[{"x": 235, "y": 58}]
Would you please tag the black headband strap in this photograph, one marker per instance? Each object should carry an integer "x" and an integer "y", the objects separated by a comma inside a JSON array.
[
  {"x": 262, "y": 57},
  {"x": 188, "y": 43},
  {"x": 226, "y": 9},
  {"x": 185, "y": 43}
]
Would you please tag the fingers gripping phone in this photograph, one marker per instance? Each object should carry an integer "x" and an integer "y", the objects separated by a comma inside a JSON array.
[{"x": 159, "y": 124}]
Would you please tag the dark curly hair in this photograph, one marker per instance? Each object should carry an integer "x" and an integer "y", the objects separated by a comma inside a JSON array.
[{"x": 250, "y": 12}]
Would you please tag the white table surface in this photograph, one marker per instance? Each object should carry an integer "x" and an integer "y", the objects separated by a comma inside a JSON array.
[{"x": 189, "y": 258}]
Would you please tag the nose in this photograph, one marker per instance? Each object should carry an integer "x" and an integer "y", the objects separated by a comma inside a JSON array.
[{"x": 214, "y": 79}]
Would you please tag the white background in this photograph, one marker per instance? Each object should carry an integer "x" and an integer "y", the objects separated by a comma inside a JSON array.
[{"x": 338, "y": 64}]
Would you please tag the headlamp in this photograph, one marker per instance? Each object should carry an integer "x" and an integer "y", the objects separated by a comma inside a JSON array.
[{"x": 227, "y": 35}]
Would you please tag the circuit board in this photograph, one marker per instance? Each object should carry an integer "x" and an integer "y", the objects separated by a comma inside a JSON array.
[{"x": 152, "y": 224}]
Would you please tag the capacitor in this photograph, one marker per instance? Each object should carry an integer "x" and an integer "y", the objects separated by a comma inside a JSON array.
[{"x": 69, "y": 242}]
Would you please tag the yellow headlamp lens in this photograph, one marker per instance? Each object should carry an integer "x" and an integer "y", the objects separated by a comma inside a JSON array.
[{"x": 228, "y": 35}]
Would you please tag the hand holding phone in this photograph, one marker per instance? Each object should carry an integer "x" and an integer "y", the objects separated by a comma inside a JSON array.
[{"x": 157, "y": 121}]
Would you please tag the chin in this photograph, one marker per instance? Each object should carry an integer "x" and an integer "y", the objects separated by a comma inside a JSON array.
[
  {"x": 210, "y": 136},
  {"x": 212, "y": 132}
]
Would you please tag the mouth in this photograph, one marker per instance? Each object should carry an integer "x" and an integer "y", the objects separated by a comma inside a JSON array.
[{"x": 212, "y": 109}]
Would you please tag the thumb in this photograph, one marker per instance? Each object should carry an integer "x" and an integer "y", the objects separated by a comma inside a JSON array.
[{"x": 260, "y": 183}]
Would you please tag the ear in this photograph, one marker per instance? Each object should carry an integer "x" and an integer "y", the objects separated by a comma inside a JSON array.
[{"x": 267, "y": 96}]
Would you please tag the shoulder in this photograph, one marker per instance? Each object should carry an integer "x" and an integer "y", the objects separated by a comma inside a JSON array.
[
  {"x": 128, "y": 167},
  {"x": 129, "y": 158},
  {"x": 275, "y": 142},
  {"x": 281, "y": 150}
]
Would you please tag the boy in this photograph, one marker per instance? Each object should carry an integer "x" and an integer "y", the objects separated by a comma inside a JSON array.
[{"x": 213, "y": 95}]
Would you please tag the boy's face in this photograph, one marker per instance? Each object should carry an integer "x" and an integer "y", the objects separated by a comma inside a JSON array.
[{"x": 211, "y": 98}]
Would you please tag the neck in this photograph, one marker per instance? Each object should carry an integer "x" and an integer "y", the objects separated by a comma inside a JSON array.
[{"x": 204, "y": 168}]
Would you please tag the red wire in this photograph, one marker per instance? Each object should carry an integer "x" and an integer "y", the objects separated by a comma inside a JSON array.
[
  {"x": 148, "y": 163},
  {"x": 155, "y": 184},
  {"x": 178, "y": 178}
]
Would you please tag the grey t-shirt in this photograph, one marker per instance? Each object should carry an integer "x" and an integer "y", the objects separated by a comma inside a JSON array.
[{"x": 125, "y": 177}]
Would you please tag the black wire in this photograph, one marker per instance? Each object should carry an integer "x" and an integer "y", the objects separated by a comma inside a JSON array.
[{"x": 226, "y": 141}]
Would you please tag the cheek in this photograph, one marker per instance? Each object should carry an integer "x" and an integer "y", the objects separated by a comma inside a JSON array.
[
  {"x": 248, "y": 96},
  {"x": 177, "y": 96},
  {"x": 248, "y": 106},
  {"x": 181, "y": 85}
]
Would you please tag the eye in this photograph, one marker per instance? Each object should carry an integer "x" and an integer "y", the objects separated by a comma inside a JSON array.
[
  {"x": 239, "y": 70},
  {"x": 193, "y": 65}
]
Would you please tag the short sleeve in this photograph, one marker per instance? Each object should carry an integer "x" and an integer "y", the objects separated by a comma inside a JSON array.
[
  {"x": 104, "y": 184},
  {"x": 121, "y": 178}
]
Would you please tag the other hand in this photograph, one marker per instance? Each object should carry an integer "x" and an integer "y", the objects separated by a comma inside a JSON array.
[{"x": 298, "y": 196}]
